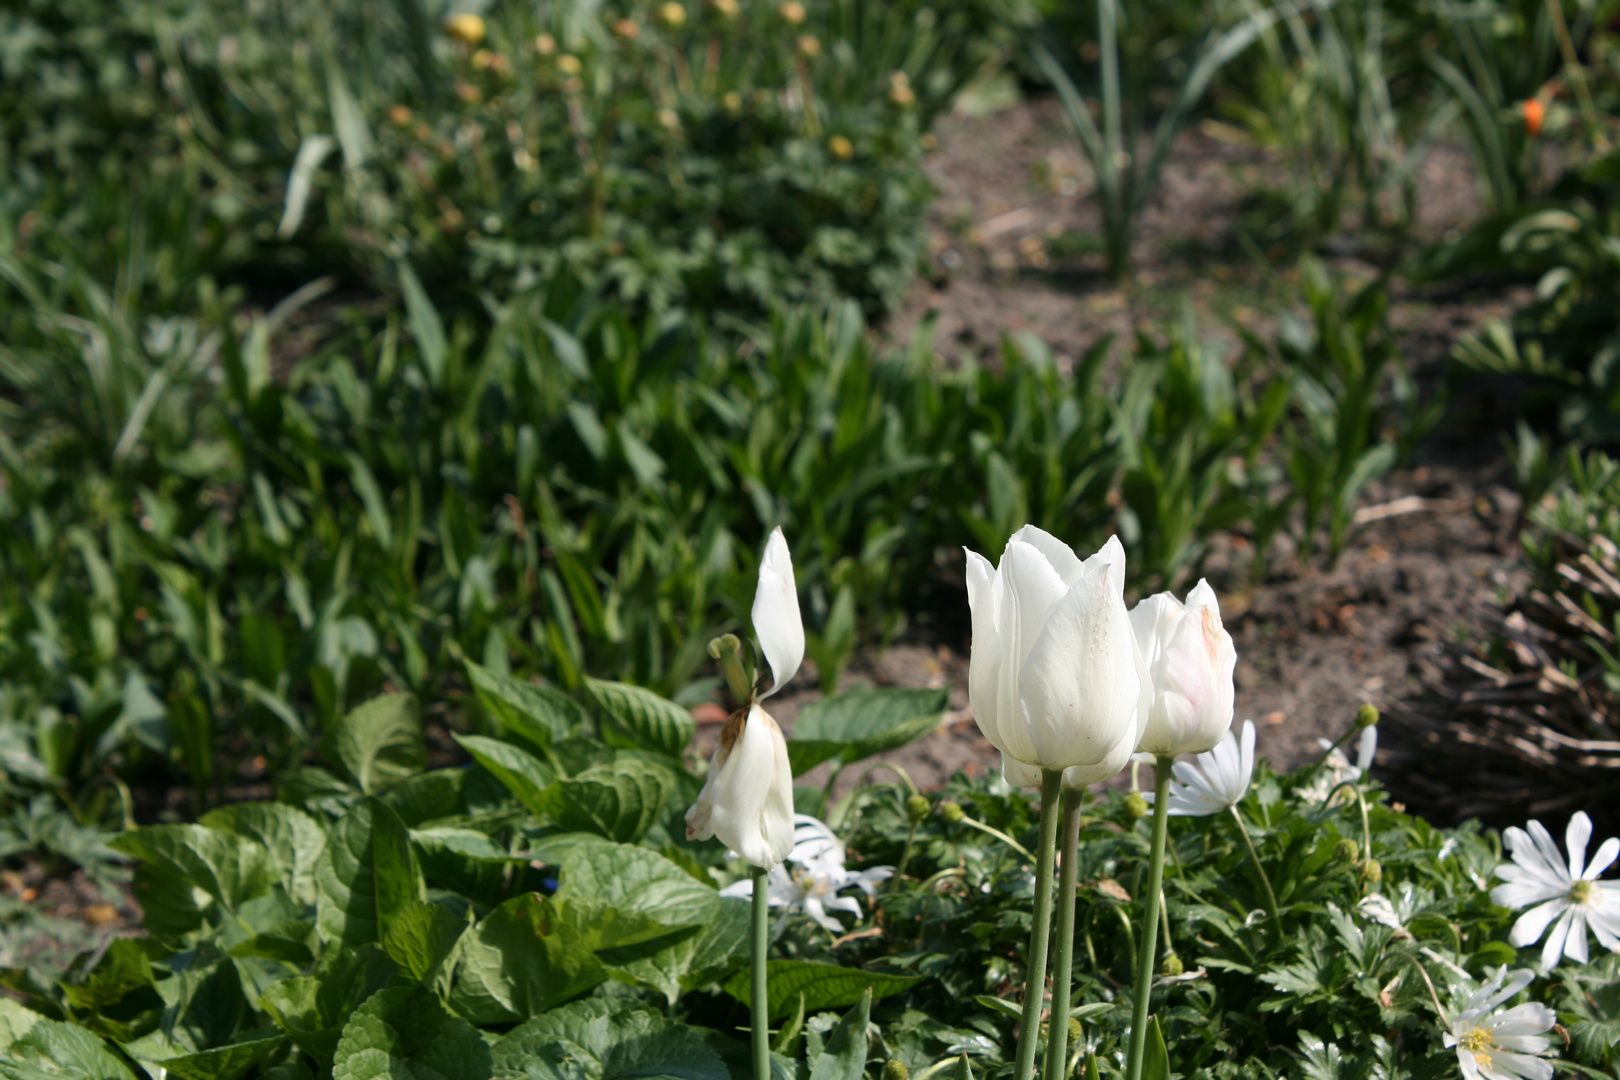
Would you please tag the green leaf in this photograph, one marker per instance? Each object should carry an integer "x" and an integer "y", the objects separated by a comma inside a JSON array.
[
  {"x": 528, "y": 955},
  {"x": 861, "y": 723},
  {"x": 421, "y": 937},
  {"x": 824, "y": 986},
  {"x": 964, "y": 1070},
  {"x": 224, "y": 1062},
  {"x": 366, "y": 875},
  {"x": 694, "y": 960},
  {"x": 1155, "y": 1058},
  {"x": 123, "y": 968},
  {"x": 15, "y": 1021},
  {"x": 292, "y": 838},
  {"x": 380, "y": 742},
  {"x": 523, "y": 774},
  {"x": 313, "y": 1008},
  {"x": 53, "y": 1050},
  {"x": 844, "y": 1055},
  {"x": 539, "y": 714},
  {"x": 428, "y": 796},
  {"x": 640, "y": 718},
  {"x": 177, "y": 859},
  {"x": 635, "y": 881},
  {"x": 407, "y": 1035},
  {"x": 619, "y": 801},
  {"x": 598, "y": 1039}
]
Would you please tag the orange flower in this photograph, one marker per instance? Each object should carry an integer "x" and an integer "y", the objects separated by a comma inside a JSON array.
[{"x": 1534, "y": 112}]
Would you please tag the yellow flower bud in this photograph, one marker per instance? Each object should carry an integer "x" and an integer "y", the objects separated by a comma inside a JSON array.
[
  {"x": 466, "y": 28},
  {"x": 841, "y": 148},
  {"x": 626, "y": 29},
  {"x": 469, "y": 93},
  {"x": 731, "y": 101},
  {"x": 672, "y": 14},
  {"x": 809, "y": 45},
  {"x": 726, "y": 9},
  {"x": 400, "y": 115},
  {"x": 670, "y": 119},
  {"x": 545, "y": 44},
  {"x": 569, "y": 64},
  {"x": 792, "y": 12}
]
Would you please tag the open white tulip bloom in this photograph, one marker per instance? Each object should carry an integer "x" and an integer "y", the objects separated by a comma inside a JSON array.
[
  {"x": 1190, "y": 659},
  {"x": 1054, "y": 677},
  {"x": 1215, "y": 781},
  {"x": 1570, "y": 894},
  {"x": 747, "y": 800},
  {"x": 1506, "y": 1045},
  {"x": 815, "y": 878}
]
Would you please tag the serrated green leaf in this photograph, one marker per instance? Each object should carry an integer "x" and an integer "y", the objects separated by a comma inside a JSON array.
[
  {"x": 291, "y": 837},
  {"x": 538, "y": 714},
  {"x": 15, "y": 1021},
  {"x": 421, "y": 937},
  {"x": 51, "y": 1050},
  {"x": 637, "y": 717},
  {"x": 312, "y": 1009},
  {"x": 380, "y": 742},
  {"x": 844, "y": 1055},
  {"x": 824, "y": 986},
  {"x": 428, "y": 796},
  {"x": 408, "y": 1035},
  {"x": 598, "y": 1039},
  {"x": 176, "y": 859},
  {"x": 619, "y": 801},
  {"x": 124, "y": 967},
  {"x": 523, "y": 774},
  {"x": 634, "y": 880},
  {"x": 528, "y": 955},
  {"x": 861, "y": 723},
  {"x": 694, "y": 960},
  {"x": 366, "y": 875}
]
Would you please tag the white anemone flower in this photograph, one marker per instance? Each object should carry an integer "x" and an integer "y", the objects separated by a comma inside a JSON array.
[
  {"x": 1570, "y": 894},
  {"x": 1213, "y": 781},
  {"x": 1338, "y": 769},
  {"x": 813, "y": 876},
  {"x": 747, "y": 800},
  {"x": 1506, "y": 1045}
]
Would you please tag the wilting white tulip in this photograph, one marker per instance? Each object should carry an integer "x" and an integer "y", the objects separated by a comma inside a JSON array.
[
  {"x": 1054, "y": 677},
  {"x": 1190, "y": 658},
  {"x": 747, "y": 800}
]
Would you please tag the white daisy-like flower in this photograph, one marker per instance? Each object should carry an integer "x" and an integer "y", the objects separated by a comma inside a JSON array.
[
  {"x": 813, "y": 875},
  {"x": 1570, "y": 894},
  {"x": 1395, "y": 911},
  {"x": 1338, "y": 769},
  {"x": 1213, "y": 781},
  {"x": 1502, "y": 1046}
]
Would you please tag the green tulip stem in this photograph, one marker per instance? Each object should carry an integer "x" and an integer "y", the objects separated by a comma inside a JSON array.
[
  {"x": 1150, "y": 920},
  {"x": 1057, "y": 1036},
  {"x": 1271, "y": 895},
  {"x": 761, "y": 925},
  {"x": 1029, "y": 1027}
]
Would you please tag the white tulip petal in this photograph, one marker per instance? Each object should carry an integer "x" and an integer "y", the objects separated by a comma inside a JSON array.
[
  {"x": 1079, "y": 684},
  {"x": 1576, "y": 836},
  {"x": 985, "y": 660},
  {"x": 1018, "y": 774},
  {"x": 777, "y": 625},
  {"x": 747, "y": 800},
  {"x": 1076, "y": 777},
  {"x": 1109, "y": 559},
  {"x": 1062, "y": 557},
  {"x": 1027, "y": 591}
]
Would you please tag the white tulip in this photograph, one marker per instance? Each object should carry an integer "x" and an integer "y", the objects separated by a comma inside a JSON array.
[
  {"x": 1054, "y": 677},
  {"x": 747, "y": 800},
  {"x": 1190, "y": 658}
]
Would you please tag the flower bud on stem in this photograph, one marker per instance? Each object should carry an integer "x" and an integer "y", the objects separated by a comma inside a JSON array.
[{"x": 728, "y": 650}]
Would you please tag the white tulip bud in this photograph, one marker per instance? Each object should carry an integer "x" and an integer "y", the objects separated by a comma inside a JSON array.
[
  {"x": 1054, "y": 677},
  {"x": 1190, "y": 659}
]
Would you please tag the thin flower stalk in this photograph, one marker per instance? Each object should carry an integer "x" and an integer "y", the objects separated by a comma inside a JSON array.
[
  {"x": 1150, "y": 920},
  {"x": 1057, "y": 1039},
  {"x": 759, "y": 997},
  {"x": 1040, "y": 933}
]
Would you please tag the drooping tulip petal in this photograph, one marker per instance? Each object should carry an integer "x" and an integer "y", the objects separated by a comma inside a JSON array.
[
  {"x": 747, "y": 800},
  {"x": 777, "y": 624}
]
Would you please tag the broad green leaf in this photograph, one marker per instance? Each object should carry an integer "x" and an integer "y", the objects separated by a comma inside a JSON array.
[
  {"x": 124, "y": 967},
  {"x": 619, "y": 801},
  {"x": 51, "y": 1050},
  {"x": 633, "y": 880},
  {"x": 824, "y": 986},
  {"x": 637, "y": 717},
  {"x": 694, "y": 960},
  {"x": 428, "y": 796},
  {"x": 599, "y": 1039},
  {"x": 406, "y": 1034},
  {"x": 366, "y": 875},
  {"x": 313, "y": 1008},
  {"x": 292, "y": 838},
  {"x": 539, "y": 714},
  {"x": 528, "y": 955},
  {"x": 380, "y": 742},
  {"x": 843, "y": 1057},
  {"x": 224, "y": 1062},
  {"x": 861, "y": 723},
  {"x": 15, "y": 1021},
  {"x": 523, "y": 774},
  {"x": 178, "y": 859},
  {"x": 421, "y": 937}
]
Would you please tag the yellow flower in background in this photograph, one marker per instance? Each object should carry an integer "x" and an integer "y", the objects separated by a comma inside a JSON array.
[
  {"x": 672, "y": 15},
  {"x": 841, "y": 148},
  {"x": 466, "y": 28}
]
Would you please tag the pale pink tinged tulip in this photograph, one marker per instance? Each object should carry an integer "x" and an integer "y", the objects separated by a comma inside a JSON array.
[{"x": 1190, "y": 659}]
